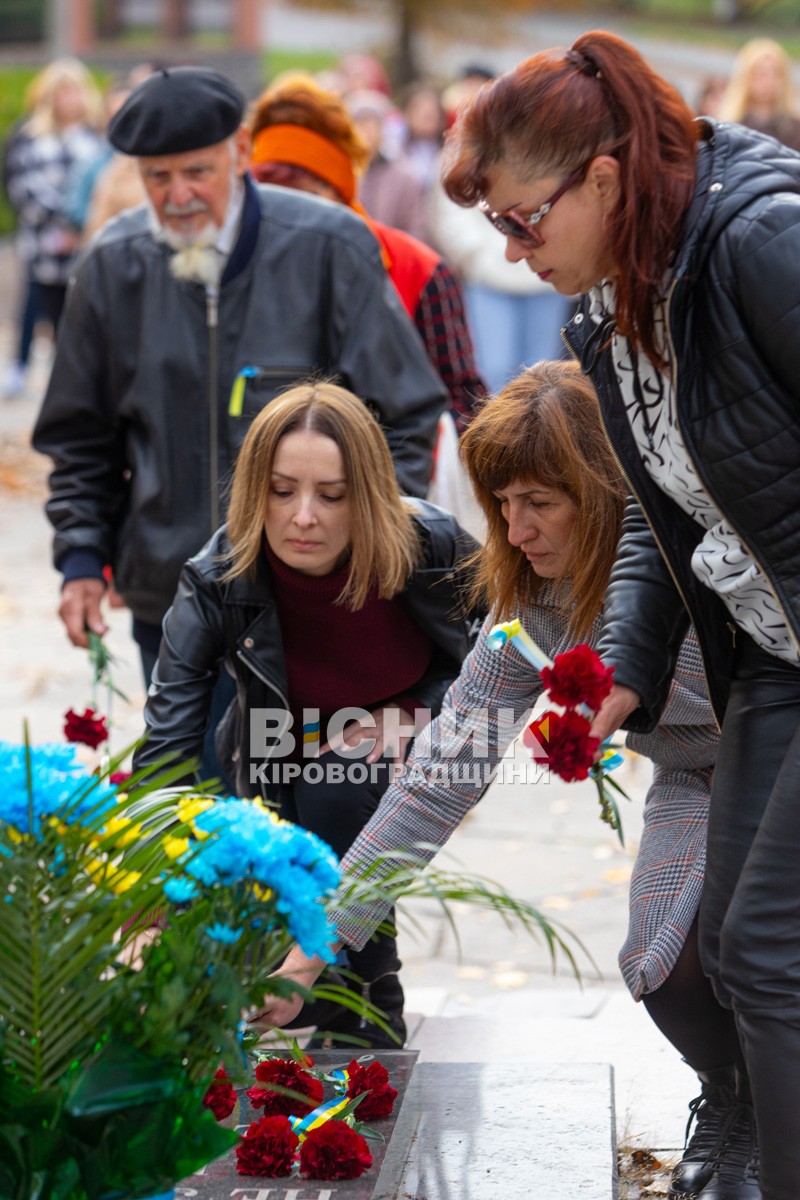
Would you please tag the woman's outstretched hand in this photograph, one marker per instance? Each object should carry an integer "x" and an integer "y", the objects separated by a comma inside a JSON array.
[
  {"x": 277, "y": 1010},
  {"x": 391, "y": 728},
  {"x": 617, "y": 706}
]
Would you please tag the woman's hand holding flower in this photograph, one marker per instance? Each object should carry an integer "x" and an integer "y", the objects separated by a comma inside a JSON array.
[{"x": 616, "y": 708}]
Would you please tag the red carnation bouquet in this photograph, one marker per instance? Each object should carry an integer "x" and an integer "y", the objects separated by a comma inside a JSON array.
[
  {"x": 578, "y": 682},
  {"x": 303, "y": 1134}
]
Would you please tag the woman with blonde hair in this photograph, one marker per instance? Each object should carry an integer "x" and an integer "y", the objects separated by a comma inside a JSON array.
[
  {"x": 59, "y": 135},
  {"x": 553, "y": 498},
  {"x": 339, "y": 607},
  {"x": 760, "y": 92}
]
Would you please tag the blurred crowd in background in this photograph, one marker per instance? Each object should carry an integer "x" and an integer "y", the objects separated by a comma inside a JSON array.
[{"x": 64, "y": 182}]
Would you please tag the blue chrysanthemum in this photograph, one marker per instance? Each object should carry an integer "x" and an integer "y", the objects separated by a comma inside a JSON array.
[
  {"x": 223, "y": 933},
  {"x": 60, "y": 786},
  {"x": 246, "y": 842},
  {"x": 180, "y": 891}
]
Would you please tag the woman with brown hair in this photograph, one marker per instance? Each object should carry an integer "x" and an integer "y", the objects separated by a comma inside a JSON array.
[
  {"x": 685, "y": 236},
  {"x": 553, "y": 500},
  {"x": 339, "y": 608}
]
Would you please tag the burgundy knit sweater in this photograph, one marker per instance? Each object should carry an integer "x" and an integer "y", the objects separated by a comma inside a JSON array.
[{"x": 336, "y": 658}]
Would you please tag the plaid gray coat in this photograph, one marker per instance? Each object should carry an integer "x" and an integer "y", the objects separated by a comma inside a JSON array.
[{"x": 447, "y": 773}]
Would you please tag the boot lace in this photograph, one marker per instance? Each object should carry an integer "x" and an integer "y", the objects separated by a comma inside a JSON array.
[
  {"x": 738, "y": 1159},
  {"x": 713, "y": 1113}
]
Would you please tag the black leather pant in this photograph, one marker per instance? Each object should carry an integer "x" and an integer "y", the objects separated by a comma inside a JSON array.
[{"x": 750, "y": 912}]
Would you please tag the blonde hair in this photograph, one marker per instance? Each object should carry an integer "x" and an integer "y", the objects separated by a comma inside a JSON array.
[
  {"x": 735, "y": 103},
  {"x": 384, "y": 546},
  {"x": 545, "y": 426},
  {"x": 41, "y": 93}
]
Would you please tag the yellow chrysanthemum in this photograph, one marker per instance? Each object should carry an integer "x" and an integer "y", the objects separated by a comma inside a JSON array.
[
  {"x": 104, "y": 872},
  {"x": 192, "y": 806},
  {"x": 129, "y": 830},
  {"x": 174, "y": 847},
  {"x": 96, "y": 868},
  {"x": 124, "y": 880}
]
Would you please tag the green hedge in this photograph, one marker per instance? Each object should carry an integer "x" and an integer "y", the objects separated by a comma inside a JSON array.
[{"x": 13, "y": 82}]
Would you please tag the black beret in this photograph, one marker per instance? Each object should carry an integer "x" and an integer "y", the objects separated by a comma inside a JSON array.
[{"x": 177, "y": 109}]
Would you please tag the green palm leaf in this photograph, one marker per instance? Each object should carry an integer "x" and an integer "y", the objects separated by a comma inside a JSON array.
[{"x": 61, "y": 919}]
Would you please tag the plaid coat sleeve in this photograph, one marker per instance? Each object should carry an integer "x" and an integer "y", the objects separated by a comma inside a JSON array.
[{"x": 450, "y": 767}]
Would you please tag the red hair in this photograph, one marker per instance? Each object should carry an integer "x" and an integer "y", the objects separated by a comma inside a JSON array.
[{"x": 559, "y": 110}]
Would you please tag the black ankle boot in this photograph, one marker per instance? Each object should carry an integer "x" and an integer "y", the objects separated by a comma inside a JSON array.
[
  {"x": 736, "y": 1173},
  {"x": 348, "y": 1029},
  {"x": 711, "y": 1113}
]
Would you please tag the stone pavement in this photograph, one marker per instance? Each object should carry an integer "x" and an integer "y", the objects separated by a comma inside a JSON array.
[{"x": 493, "y": 998}]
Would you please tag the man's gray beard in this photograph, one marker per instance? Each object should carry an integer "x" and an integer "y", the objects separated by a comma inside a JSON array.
[{"x": 210, "y": 232}]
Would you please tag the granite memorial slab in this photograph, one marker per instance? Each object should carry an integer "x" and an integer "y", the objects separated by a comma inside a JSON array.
[{"x": 460, "y": 1131}]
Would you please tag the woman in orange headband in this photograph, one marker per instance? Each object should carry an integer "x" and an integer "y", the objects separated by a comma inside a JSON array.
[{"x": 304, "y": 138}]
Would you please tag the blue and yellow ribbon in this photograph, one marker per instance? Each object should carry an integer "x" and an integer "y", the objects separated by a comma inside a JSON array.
[
  {"x": 331, "y": 1108},
  {"x": 512, "y": 631},
  {"x": 236, "y": 402}
]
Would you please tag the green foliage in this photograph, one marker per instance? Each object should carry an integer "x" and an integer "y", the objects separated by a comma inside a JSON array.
[
  {"x": 13, "y": 82},
  {"x": 276, "y": 61},
  {"x": 96, "y": 1099}
]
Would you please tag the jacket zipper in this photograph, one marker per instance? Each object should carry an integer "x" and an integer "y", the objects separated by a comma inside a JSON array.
[
  {"x": 755, "y": 559},
  {"x": 656, "y": 538},
  {"x": 248, "y": 662}
]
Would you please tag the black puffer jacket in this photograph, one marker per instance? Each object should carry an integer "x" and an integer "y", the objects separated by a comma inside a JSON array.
[
  {"x": 234, "y": 625},
  {"x": 733, "y": 317}
]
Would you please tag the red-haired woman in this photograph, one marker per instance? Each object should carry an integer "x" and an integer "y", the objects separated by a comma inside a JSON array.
[{"x": 685, "y": 237}]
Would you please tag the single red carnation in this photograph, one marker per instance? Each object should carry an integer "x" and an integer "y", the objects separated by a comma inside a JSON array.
[
  {"x": 334, "y": 1151},
  {"x": 268, "y": 1148},
  {"x": 221, "y": 1096},
  {"x": 380, "y": 1095},
  {"x": 89, "y": 729},
  {"x": 578, "y": 677},
  {"x": 287, "y": 1074},
  {"x": 569, "y": 751}
]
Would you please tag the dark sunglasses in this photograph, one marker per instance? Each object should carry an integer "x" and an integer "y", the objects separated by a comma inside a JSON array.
[{"x": 513, "y": 224}]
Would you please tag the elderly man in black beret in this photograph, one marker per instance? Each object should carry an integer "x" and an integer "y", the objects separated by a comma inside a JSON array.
[{"x": 185, "y": 318}]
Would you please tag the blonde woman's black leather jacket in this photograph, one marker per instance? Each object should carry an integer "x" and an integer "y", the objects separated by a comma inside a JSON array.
[
  {"x": 734, "y": 324},
  {"x": 234, "y": 625}
]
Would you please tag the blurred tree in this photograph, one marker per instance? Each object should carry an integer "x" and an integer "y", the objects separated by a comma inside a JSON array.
[
  {"x": 411, "y": 16},
  {"x": 175, "y": 19}
]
